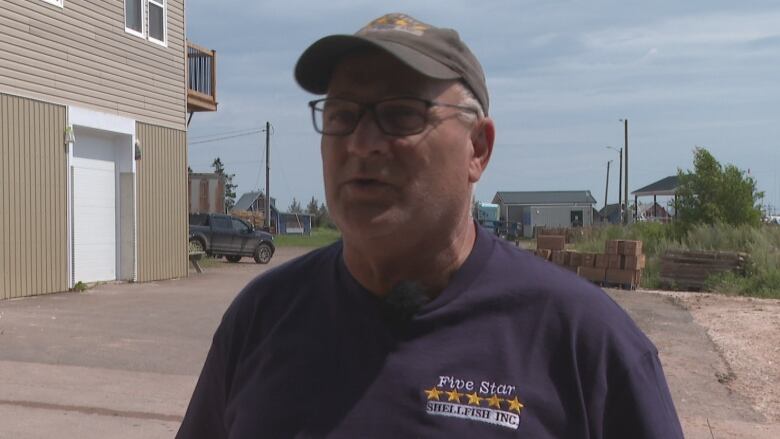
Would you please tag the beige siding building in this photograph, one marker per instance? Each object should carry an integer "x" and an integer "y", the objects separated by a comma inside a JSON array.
[{"x": 93, "y": 152}]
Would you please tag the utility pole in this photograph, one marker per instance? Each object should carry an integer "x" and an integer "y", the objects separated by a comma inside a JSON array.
[
  {"x": 267, "y": 176},
  {"x": 606, "y": 191},
  {"x": 620, "y": 187},
  {"x": 625, "y": 148},
  {"x": 620, "y": 182}
]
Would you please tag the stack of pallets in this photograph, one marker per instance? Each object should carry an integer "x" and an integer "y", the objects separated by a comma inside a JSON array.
[
  {"x": 546, "y": 245},
  {"x": 620, "y": 265},
  {"x": 687, "y": 269},
  {"x": 623, "y": 263},
  {"x": 257, "y": 219}
]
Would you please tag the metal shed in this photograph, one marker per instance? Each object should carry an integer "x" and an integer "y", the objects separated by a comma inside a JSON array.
[
  {"x": 294, "y": 224},
  {"x": 546, "y": 208}
]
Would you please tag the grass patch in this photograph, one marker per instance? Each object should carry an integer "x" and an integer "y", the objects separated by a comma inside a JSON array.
[
  {"x": 762, "y": 244},
  {"x": 80, "y": 287},
  {"x": 320, "y": 237}
]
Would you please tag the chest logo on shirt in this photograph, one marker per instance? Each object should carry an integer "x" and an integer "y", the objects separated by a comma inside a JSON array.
[{"x": 484, "y": 401}]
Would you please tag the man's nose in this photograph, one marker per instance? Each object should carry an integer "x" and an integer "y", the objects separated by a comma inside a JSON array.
[{"x": 367, "y": 139}]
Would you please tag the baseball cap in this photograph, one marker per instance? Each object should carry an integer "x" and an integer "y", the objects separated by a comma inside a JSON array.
[{"x": 438, "y": 53}]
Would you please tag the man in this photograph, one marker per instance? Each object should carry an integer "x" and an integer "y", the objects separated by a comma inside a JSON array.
[{"x": 419, "y": 323}]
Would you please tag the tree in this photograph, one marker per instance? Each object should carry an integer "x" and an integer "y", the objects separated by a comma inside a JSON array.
[
  {"x": 295, "y": 207},
  {"x": 230, "y": 188},
  {"x": 712, "y": 193},
  {"x": 313, "y": 207},
  {"x": 323, "y": 218}
]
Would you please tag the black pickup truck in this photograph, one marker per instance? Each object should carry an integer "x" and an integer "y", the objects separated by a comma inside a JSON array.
[{"x": 223, "y": 235}]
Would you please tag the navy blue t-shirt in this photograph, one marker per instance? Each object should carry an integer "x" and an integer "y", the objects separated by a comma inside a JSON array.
[{"x": 514, "y": 347}]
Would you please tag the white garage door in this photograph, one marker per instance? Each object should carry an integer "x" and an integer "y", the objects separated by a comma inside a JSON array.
[{"x": 94, "y": 220}]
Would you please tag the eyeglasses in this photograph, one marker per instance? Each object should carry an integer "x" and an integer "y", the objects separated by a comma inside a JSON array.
[{"x": 400, "y": 116}]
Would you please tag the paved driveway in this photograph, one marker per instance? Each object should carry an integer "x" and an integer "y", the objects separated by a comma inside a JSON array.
[
  {"x": 121, "y": 360},
  {"x": 116, "y": 361}
]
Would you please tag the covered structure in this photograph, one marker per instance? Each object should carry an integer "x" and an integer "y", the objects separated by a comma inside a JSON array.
[{"x": 665, "y": 187}]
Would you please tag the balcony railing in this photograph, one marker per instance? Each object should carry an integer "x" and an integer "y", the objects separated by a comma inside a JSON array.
[{"x": 201, "y": 78}]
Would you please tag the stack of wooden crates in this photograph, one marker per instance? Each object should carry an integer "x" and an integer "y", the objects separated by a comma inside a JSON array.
[{"x": 620, "y": 265}]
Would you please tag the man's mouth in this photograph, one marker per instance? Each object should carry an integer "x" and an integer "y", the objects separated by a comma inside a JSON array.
[
  {"x": 366, "y": 182},
  {"x": 367, "y": 186}
]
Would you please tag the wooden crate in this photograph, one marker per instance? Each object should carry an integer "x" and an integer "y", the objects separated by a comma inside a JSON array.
[
  {"x": 630, "y": 248},
  {"x": 612, "y": 247},
  {"x": 628, "y": 279},
  {"x": 543, "y": 253},
  {"x": 554, "y": 231},
  {"x": 592, "y": 274},
  {"x": 575, "y": 259},
  {"x": 550, "y": 242},
  {"x": 560, "y": 257},
  {"x": 602, "y": 261},
  {"x": 615, "y": 262},
  {"x": 634, "y": 262},
  {"x": 588, "y": 260}
]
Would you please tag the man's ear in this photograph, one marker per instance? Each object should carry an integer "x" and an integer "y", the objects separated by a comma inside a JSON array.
[{"x": 482, "y": 137}]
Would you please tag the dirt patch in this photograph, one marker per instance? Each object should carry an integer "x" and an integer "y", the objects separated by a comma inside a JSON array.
[
  {"x": 746, "y": 332},
  {"x": 720, "y": 355}
]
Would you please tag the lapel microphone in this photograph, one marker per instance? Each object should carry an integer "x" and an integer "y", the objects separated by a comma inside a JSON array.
[{"x": 403, "y": 302}]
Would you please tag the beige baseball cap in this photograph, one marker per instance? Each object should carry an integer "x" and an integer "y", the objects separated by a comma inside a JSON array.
[{"x": 434, "y": 52}]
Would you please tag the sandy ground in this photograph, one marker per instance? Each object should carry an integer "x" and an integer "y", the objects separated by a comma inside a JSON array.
[{"x": 746, "y": 332}]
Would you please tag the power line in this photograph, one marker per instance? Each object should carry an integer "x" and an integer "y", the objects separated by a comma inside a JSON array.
[
  {"x": 205, "y": 136},
  {"x": 225, "y": 137}
]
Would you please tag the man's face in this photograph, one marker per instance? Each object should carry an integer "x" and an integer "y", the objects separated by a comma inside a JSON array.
[{"x": 379, "y": 185}]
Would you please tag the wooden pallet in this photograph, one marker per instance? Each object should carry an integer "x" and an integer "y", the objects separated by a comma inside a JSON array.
[{"x": 691, "y": 269}]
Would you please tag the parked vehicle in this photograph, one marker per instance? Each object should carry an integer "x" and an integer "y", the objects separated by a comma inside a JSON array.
[{"x": 223, "y": 235}]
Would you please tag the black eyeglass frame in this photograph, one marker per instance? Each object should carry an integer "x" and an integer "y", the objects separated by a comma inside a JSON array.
[{"x": 363, "y": 108}]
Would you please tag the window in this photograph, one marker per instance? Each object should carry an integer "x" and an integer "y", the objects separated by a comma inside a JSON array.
[
  {"x": 239, "y": 226},
  {"x": 221, "y": 222},
  {"x": 157, "y": 21},
  {"x": 147, "y": 19},
  {"x": 134, "y": 16}
]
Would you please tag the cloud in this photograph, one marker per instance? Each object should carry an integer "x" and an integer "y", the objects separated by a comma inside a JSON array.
[{"x": 561, "y": 74}]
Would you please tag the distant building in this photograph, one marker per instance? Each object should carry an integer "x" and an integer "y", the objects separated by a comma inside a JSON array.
[
  {"x": 653, "y": 212},
  {"x": 610, "y": 214},
  {"x": 253, "y": 202},
  {"x": 294, "y": 223},
  {"x": 207, "y": 192},
  {"x": 665, "y": 187},
  {"x": 535, "y": 209},
  {"x": 251, "y": 207}
]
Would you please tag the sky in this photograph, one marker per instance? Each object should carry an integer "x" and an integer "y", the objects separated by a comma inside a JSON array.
[{"x": 561, "y": 75}]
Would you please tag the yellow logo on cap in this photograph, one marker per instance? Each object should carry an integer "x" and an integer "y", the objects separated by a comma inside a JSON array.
[{"x": 395, "y": 22}]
